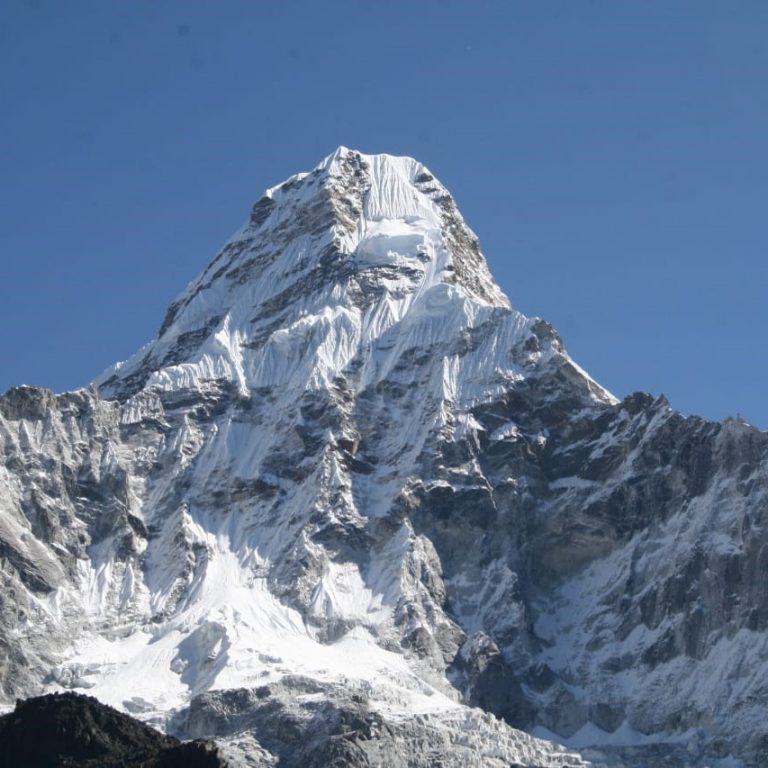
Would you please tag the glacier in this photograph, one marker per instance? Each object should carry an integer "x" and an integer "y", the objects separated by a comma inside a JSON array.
[{"x": 350, "y": 505}]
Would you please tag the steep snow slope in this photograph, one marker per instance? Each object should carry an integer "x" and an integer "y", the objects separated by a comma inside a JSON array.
[{"x": 349, "y": 489}]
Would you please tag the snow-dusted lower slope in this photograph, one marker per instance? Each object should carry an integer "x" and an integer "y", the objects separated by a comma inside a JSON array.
[{"x": 349, "y": 493}]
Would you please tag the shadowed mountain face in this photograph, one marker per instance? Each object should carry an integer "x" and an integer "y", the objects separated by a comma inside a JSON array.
[
  {"x": 69, "y": 729},
  {"x": 349, "y": 489}
]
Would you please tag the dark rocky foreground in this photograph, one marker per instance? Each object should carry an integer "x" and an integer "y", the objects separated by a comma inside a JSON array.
[{"x": 71, "y": 730}]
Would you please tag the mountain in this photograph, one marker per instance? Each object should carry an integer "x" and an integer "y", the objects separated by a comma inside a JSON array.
[{"x": 352, "y": 508}]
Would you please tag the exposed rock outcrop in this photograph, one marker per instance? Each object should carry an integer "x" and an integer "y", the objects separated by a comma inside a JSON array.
[{"x": 72, "y": 731}]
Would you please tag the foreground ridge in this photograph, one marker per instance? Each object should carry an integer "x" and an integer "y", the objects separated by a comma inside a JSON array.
[
  {"x": 72, "y": 730},
  {"x": 349, "y": 489}
]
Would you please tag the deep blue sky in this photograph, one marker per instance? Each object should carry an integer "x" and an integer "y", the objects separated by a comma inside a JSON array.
[{"x": 612, "y": 157}]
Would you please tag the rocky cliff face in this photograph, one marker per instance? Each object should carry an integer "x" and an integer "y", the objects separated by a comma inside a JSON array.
[{"x": 348, "y": 490}]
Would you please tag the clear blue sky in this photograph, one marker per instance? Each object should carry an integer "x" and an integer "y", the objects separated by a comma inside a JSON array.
[{"x": 612, "y": 157}]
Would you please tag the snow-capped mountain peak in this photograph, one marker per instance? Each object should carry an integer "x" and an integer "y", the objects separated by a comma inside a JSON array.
[
  {"x": 356, "y": 245},
  {"x": 349, "y": 489}
]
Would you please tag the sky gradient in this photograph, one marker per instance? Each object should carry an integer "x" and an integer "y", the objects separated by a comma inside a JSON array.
[{"x": 611, "y": 156}]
